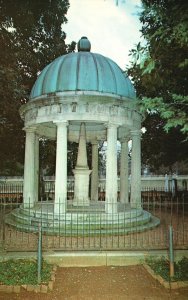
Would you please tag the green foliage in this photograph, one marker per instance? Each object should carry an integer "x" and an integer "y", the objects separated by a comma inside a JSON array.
[
  {"x": 160, "y": 148},
  {"x": 47, "y": 156},
  {"x": 18, "y": 272},
  {"x": 71, "y": 157},
  {"x": 161, "y": 267},
  {"x": 172, "y": 113},
  {"x": 31, "y": 36},
  {"x": 159, "y": 66},
  {"x": 163, "y": 143},
  {"x": 159, "y": 69}
]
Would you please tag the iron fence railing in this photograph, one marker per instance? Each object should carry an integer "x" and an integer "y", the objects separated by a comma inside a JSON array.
[
  {"x": 91, "y": 228},
  {"x": 11, "y": 192}
]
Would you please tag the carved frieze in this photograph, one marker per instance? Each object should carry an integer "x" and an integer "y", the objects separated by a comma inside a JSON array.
[
  {"x": 114, "y": 110},
  {"x": 73, "y": 106},
  {"x": 65, "y": 108},
  {"x": 110, "y": 111},
  {"x": 31, "y": 115}
]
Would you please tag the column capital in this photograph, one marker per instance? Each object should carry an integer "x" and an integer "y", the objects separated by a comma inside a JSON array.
[
  {"x": 30, "y": 129},
  {"x": 124, "y": 139},
  {"x": 136, "y": 132},
  {"x": 94, "y": 142},
  {"x": 111, "y": 125},
  {"x": 61, "y": 123}
]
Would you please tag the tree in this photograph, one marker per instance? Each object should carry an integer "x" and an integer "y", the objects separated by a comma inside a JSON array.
[
  {"x": 159, "y": 68},
  {"x": 31, "y": 36},
  {"x": 159, "y": 71},
  {"x": 161, "y": 149}
]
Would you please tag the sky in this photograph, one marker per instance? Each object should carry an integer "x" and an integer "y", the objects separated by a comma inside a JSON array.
[{"x": 113, "y": 30}]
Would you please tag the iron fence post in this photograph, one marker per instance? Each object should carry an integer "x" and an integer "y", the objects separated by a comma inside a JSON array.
[
  {"x": 171, "y": 251},
  {"x": 39, "y": 254}
]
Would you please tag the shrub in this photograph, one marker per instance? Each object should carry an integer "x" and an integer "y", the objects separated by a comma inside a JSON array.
[
  {"x": 22, "y": 271},
  {"x": 161, "y": 266}
]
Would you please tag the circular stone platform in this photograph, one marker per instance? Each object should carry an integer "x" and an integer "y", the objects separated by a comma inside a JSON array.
[{"x": 85, "y": 221}]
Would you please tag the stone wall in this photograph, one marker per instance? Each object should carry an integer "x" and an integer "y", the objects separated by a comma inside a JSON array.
[{"x": 148, "y": 182}]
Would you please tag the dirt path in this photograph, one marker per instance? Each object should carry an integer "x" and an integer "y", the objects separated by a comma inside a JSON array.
[{"x": 103, "y": 283}]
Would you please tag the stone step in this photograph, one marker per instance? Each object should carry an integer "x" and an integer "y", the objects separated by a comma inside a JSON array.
[
  {"x": 84, "y": 231},
  {"x": 81, "y": 225},
  {"x": 81, "y": 215},
  {"x": 124, "y": 220}
]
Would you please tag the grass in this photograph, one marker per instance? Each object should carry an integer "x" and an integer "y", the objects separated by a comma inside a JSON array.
[
  {"x": 161, "y": 267},
  {"x": 22, "y": 271}
]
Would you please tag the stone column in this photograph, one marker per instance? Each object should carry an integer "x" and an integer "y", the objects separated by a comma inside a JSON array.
[
  {"x": 124, "y": 172},
  {"x": 136, "y": 169},
  {"x": 111, "y": 170},
  {"x": 94, "y": 174},
  {"x": 36, "y": 168},
  {"x": 61, "y": 169},
  {"x": 29, "y": 193}
]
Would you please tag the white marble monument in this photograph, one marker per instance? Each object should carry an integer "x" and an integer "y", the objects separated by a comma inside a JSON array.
[{"x": 84, "y": 97}]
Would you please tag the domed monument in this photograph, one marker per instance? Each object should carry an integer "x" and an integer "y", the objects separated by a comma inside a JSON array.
[{"x": 83, "y": 97}]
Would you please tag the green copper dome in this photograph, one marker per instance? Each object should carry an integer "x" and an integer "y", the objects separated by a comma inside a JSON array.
[{"x": 83, "y": 71}]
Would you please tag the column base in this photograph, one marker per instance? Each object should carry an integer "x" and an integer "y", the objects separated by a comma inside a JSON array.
[
  {"x": 59, "y": 205},
  {"x": 124, "y": 200},
  {"x": 28, "y": 202},
  {"x": 136, "y": 205},
  {"x": 110, "y": 208},
  {"x": 81, "y": 187},
  {"x": 81, "y": 202}
]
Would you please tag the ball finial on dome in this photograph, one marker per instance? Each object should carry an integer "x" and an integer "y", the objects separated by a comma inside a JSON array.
[{"x": 84, "y": 44}]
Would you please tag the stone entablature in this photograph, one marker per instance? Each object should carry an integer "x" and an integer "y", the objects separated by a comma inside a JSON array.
[{"x": 43, "y": 112}]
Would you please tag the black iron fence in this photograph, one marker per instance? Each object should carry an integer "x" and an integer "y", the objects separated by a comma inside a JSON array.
[
  {"x": 11, "y": 192},
  {"x": 85, "y": 229}
]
